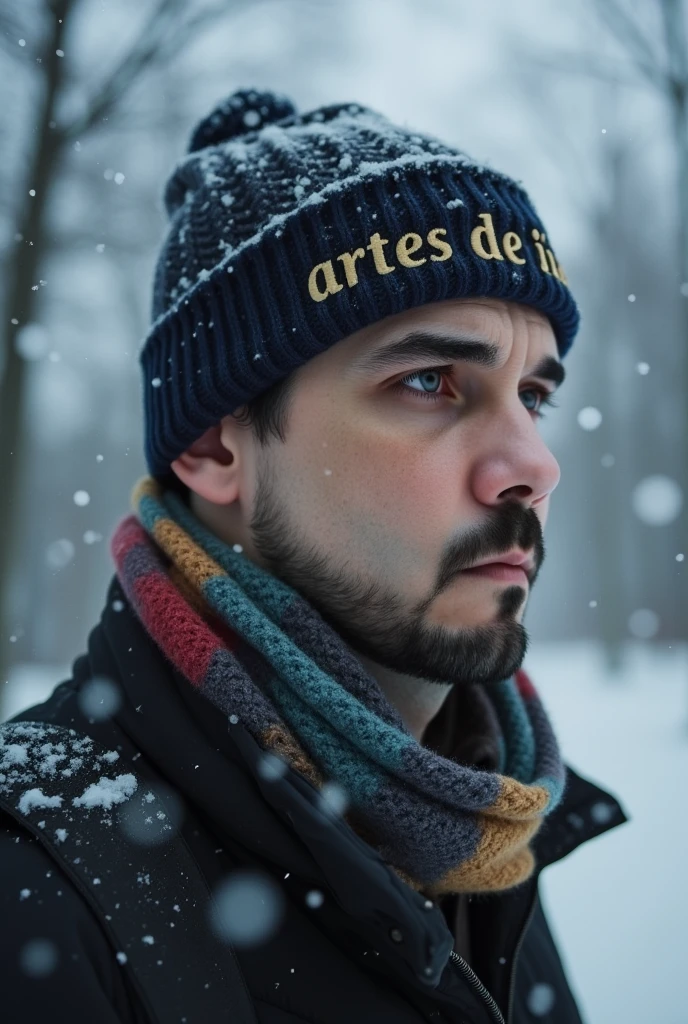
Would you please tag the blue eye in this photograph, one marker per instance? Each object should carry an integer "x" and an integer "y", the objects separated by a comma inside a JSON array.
[
  {"x": 441, "y": 372},
  {"x": 545, "y": 399},
  {"x": 437, "y": 374}
]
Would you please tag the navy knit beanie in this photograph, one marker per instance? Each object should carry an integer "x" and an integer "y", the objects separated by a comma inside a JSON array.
[{"x": 291, "y": 231}]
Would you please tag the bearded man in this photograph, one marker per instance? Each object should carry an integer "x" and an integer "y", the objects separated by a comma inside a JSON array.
[{"x": 301, "y": 774}]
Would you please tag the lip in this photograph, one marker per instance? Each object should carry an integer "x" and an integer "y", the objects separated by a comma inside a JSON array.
[
  {"x": 514, "y": 557},
  {"x": 501, "y": 572}
]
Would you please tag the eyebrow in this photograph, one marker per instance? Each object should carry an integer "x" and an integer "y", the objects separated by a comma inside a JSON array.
[{"x": 450, "y": 348}]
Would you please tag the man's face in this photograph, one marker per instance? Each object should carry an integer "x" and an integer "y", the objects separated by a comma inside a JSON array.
[{"x": 380, "y": 497}]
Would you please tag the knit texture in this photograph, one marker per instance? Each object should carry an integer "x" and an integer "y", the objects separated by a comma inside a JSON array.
[
  {"x": 289, "y": 232},
  {"x": 262, "y": 655}
]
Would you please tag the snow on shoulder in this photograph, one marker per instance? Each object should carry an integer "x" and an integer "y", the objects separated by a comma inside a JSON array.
[
  {"x": 107, "y": 792},
  {"x": 35, "y": 798},
  {"x": 43, "y": 766}
]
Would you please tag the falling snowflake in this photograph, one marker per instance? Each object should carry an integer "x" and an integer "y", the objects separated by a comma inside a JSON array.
[
  {"x": 38, "y": 958},
  {"x": 541, "y": 999},
  {"x": 657, "y": 500},
  {"x": 601, "y": 812},
  {"x": 59, "y": 553},
  {"x": 589, "y": 418},
  {"x": 333, "y": 799},
  {"x": 247, "y": 908},
  {"x": 643, "y": 624},
  {"x": 99, "y": 699},
  {"x": 271, "y": 767},
  {"x": 31, "y": 341}
]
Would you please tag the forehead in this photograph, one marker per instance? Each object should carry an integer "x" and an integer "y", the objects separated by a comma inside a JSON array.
[
  {"x": 513, "y": 328},
  {"x": 503, "y": 323}
]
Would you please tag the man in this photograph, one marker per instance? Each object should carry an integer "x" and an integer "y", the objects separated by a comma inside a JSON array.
[{"x": 307, "y": 778}]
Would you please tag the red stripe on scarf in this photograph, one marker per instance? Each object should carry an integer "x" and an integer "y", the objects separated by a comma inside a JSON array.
[
  {"x": 127, "y": 535},
  {"x": 525, "y": 687},
  {"x": 176, "y": 628}
]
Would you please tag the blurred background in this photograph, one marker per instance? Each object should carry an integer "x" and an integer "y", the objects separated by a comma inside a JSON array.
[{"x": 586, "y": 104}]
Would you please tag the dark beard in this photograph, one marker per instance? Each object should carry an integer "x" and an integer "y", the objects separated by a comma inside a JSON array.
[{"x": 373, "y": 621}]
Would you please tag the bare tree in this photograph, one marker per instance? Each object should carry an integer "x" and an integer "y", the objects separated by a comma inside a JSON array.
[
  {"x": 660, "y": 60},
  {"x": 664, "y": 68},
  {"x": 651, "y": 51},
  {"x": 169, "y": 27}
]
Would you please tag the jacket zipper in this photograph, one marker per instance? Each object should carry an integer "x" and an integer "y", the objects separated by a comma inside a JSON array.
[
  {"x": 477, "y": 984},
  {"x": 514, "y": 962}
]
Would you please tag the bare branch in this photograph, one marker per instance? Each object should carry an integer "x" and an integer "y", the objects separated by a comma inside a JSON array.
[
  {"x": 126, "y": 73},
  {"x": 185, "y": 29},
  {"x": 132, "y": 122},
  {"x": 631, "y": 36},
  {"x": 675, "y": 42},
  {"x": 11, "y": 30},
  {"x": 164, "y": 35},
  {"x": 78, "y": 242},
  {"x": 588, "y": 65}
]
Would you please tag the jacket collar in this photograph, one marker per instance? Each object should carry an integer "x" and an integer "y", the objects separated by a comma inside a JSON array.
[
  {"x": 282, "y": 821},
  {"x": 585, "y": 811}
]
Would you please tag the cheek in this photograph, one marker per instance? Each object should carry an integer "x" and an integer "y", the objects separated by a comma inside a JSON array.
[
  {"x": 418, "y": 480},
  {"x": 395, "y": 504},
  {"x": 412, "y": 488}
]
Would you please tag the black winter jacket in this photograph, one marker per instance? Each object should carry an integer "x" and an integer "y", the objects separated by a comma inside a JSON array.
[{"x": 331, "y": 964}]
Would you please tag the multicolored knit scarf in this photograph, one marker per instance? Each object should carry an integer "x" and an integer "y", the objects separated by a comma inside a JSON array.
[{"x": 257, "y": 650}]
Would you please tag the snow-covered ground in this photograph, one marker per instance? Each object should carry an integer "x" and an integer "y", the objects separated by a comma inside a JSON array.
[{"x": 619, "y": 905}]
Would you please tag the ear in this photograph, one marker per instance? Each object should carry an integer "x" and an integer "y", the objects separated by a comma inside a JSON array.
[{"x": 209, "y": 468}]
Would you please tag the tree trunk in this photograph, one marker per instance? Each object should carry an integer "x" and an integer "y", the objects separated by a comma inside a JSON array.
[
  {"x": 607, "y": 498},
  {"x": 677, "y": 48},
  {"x": 24, "y": 268}
]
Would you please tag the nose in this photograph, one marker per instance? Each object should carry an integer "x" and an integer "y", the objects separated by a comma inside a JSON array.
[{"x": 514, "y": 462}]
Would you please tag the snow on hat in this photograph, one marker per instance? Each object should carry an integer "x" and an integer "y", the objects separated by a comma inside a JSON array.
[{"x": 290, "y": 231}]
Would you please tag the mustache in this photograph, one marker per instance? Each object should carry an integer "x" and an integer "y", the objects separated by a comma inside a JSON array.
[{"x": 509, "y": 526}]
